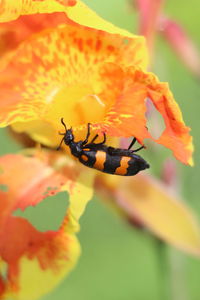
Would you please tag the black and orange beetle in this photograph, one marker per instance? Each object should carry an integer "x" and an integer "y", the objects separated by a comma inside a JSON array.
[{"x": 106, "y": 159}]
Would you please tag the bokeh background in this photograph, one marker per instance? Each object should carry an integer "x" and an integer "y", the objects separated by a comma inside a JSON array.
[{"x": 120, "y": 262}]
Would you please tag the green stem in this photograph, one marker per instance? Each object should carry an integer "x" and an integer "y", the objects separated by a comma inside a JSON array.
[
  {"x": 171, "y": 273},
  {"x": 177, "y": 271}
]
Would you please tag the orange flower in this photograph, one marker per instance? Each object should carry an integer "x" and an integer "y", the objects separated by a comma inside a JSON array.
[
  {"x": 26, "y": 252},
  {"x": 76, "y": 66},
  {"x": 62, "y": 71}
]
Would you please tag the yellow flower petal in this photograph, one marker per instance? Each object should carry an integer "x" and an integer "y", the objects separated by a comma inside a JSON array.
[
  {"x": 83, "y": 15},
  {"x": 160, "y": 211},
  {"x": 35, "y": 283},
  {"x": 79, "y": 197},
  {"x": 48, "y": 258},
  {"x": 11, "y": 10}
]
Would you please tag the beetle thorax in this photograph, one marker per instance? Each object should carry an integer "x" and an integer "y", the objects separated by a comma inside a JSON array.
[{"x": 76, "y": 148}]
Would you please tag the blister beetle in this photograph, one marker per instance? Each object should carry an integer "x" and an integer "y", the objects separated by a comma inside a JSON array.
[{"x": 101, "y": 157}]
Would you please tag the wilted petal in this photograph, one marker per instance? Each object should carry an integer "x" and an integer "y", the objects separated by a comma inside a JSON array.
[
  {"x": 11, "y": 10},
  {"x": 149, "y": 201},
  {"x": 163, "y": 213},
  {"x": 176, "y": 134},
  {"x": 35, "y": 262},
  {"x": 181, "y": 43}
]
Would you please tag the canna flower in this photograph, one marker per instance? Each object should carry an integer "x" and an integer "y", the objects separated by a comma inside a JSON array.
[
  {"x": 73, "y": 65},
  {"x": 33, "y": 262}
]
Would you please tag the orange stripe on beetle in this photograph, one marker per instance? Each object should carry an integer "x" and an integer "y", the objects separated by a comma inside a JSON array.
[
  {"x": 84, "y": 157},
  {"x": 100, "y": 160},
  {"x": 122, "y": 169}
]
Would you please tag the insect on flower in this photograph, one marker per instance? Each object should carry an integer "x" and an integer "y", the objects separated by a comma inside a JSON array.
[{"x": 106, "y": 159}]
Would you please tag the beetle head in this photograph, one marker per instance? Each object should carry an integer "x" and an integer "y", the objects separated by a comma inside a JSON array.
[{"x": 68, "y": 135}]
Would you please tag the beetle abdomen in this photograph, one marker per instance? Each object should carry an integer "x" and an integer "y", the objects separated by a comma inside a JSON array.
[{"x": 113, "y": 164}]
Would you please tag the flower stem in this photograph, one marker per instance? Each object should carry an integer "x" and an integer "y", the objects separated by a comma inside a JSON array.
[
  {"x": 172, "y": 282},
  {"x": 177, "y": 279}
]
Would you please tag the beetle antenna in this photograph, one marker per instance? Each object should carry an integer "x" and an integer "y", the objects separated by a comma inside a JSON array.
[{"x": 62, "y": 121}]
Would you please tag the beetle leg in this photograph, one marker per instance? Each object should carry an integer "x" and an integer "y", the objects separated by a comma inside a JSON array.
[
  {"x": 101, "y": 143},
  {"x": 132, "y": 143},
  {"x": 104, "y": 139},
  {"x": 94, "y": 138},
  {"x": 88, "y": 134},
  {"x": 58, "y": 148},
  {"x": 138, "y": 149}
]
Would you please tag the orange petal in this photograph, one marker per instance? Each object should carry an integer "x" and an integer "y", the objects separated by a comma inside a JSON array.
[
  {"x": 126, "y": 117},
  {"x": 11, "y": 10},
  {"x": 36, "y": 87},
  {"x": 83, "y": 15},
  {"x": 152, "y": 204},
  {"x": 35, "y": 262},
  {"x": 36, "y": 182},
  {"x": 38, "y": 91},
  {"x": 14, "y": 32},
  {"x": 176, "y": 134}
]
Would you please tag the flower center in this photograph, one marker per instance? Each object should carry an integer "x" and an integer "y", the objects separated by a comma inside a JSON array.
[{"x": 77, "y": 105}]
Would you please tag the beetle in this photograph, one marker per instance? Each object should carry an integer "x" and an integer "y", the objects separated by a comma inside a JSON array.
[{"x": 101, "y": 157}]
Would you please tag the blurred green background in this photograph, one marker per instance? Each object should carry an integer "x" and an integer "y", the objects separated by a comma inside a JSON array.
[{"x": 119, "y": 262}]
